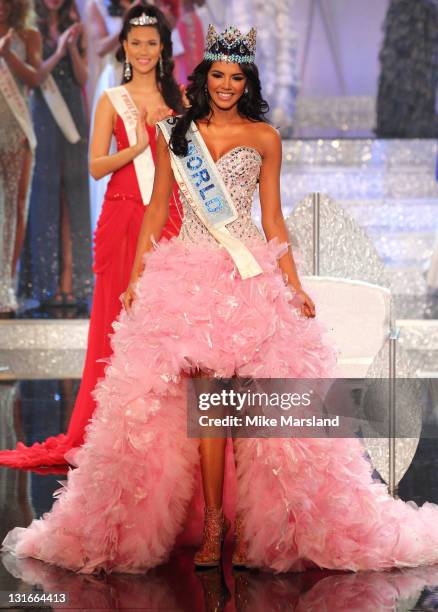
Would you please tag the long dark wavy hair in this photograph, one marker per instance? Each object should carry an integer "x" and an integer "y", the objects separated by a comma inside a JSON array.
[
  {"x": 251, "y": 105},
  {"x": 67, "y": 16},
  {"x": 166, "y": 81}
]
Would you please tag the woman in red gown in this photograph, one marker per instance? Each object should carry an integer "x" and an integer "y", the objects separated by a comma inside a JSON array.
[{"x": 149, "y": 83}]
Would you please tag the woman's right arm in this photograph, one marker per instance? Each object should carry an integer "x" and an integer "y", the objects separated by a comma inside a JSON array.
[
  {"x": 101, "y": 163},
  {"x": 155, "y": 216}
]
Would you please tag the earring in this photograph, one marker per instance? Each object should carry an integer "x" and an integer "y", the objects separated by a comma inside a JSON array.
[
  {"x": 127, "y": 71},
  {"x": 206, "y": 90},
  {"x": 246, "y": 91},
  {"x": 161, "y": 69}
]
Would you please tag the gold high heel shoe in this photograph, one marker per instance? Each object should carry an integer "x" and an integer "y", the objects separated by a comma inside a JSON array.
[
  {"x": 216, "y": 526},
  {"x": 240, "y": 552}
]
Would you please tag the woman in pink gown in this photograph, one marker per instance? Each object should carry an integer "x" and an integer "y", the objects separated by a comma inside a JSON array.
[
  {"x": 195, "y": 307},
  {"x": 115, "y": 239}
]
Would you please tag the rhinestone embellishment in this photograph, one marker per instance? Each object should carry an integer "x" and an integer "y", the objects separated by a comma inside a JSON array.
[
  {"x": 236, "y": 47},
  {"x": 143, "y": 20}
]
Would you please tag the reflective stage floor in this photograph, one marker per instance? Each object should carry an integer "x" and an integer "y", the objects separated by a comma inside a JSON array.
[{"x": 31, "y": 410}]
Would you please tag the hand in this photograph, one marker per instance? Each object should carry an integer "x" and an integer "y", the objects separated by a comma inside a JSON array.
[
  {"x": 75, "y": 32},
  {"x": 141, "y": 131},
  {"x": 5, "y": 42},
  {"x": 161, "y": 112},
  {"x": 304, "y": 303},
  {"x": 61, "y": 47},
  {"x": 128, "y": 297}
]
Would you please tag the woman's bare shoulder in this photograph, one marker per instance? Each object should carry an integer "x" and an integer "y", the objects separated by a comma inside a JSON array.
[
  {"x": 267, "y": 137},
  {"x": 29, "y": 35},
  {"x": 104, "y": 106},
  {"x": 264, "y": 130}
]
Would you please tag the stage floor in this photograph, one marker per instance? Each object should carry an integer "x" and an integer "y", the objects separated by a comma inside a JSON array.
[
  {"x": 33, "y": 410},
  {"x": 178, "y": 587}
]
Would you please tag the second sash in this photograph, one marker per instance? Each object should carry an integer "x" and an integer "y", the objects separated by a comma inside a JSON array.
[{"x": 143, "y": 163}]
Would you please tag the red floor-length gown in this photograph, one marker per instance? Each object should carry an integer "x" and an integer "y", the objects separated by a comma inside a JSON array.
[{"x": 114, "y": 250}]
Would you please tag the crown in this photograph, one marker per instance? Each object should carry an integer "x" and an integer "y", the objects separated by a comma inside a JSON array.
[
  {"x": 230, "y": 45},
  {"x": 143, "y": 20}
]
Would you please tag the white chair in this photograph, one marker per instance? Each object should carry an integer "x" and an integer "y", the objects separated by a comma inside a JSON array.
[{"x": 357, "y": 317}]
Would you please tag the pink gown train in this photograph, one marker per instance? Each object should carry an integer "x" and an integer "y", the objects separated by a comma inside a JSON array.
[{"x": 305, "y": 502}]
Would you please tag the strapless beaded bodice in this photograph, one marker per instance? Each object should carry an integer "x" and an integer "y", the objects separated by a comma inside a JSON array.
[{"x": 239, "y": 169}]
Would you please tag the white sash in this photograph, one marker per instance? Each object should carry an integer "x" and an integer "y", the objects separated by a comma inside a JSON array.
[
  {"x": 143, "y": 163},
  {"x": 203, "y": 188},
  {"x": 16, "y": 103},
  {"x": 59, "y": 109}
]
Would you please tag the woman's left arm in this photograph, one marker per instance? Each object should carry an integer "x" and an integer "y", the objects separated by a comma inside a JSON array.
[
  {"x": 27, "y": 70},
  {"x": 78, "y": 59},
  {"x": 273, "y": 222}
]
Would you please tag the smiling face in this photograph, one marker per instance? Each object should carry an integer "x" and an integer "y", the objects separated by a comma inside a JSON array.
[
  {"x": 143, "y": 48},
  {"x": 226, "y": 84},
  {"x": 5, "y": 10}
]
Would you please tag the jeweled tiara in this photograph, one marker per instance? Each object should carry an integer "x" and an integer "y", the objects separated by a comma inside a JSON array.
[
  {"x": 143, "y": 20},
  {"x": 230, "y": 45}
]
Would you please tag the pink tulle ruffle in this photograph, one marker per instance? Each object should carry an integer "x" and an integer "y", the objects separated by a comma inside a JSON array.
[{"x": 304, "y": 501}]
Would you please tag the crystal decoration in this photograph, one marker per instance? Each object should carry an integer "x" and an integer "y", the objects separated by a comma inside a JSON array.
[
  {"x": 408, "y": 409},
  {"x": 346, "y": 251},
  {"x": 389, "y": 188},
  {"x": 231, "y": 45},
  {"x": 143, "y": 20},
  {"x": 331, "y": 116}
]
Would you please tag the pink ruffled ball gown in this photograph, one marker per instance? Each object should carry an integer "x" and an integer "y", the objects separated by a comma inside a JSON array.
[{"x": 305, "y": 502}]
